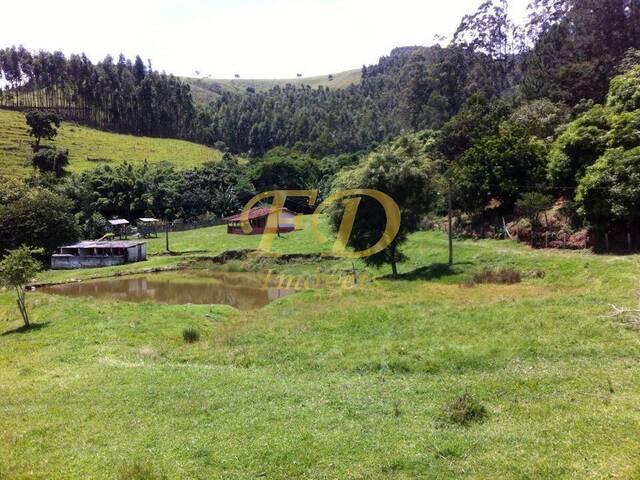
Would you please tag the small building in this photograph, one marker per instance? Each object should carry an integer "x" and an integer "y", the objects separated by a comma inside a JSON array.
[
  {"x": 148, "y": 227},
  {"x": 256, "y": 218},
  {"x": 92, "y": 254},
  {"x": 120, "y": 227}
]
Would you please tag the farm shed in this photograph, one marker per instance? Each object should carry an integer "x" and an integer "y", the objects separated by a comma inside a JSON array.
[
  {"x": 256, "y": 218},
  {"x": 120, "y": 227},
  {"x": 148, "y": 227},
  {"x": 91, "y": 254}
]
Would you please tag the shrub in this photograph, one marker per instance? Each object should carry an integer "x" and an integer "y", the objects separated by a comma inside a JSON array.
[
  {"x": 464, "y": 410},
  {"x": 49, "y": 160},
  {"x": 190, "y": 335}
]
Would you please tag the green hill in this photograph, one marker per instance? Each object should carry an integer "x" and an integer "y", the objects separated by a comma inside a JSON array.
[
  {"x": 89, "y": 147},
  {"x": 205, "y": 90}
]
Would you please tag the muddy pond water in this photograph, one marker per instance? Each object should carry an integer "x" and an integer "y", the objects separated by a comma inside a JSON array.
[{"x": 241, "y": 290}]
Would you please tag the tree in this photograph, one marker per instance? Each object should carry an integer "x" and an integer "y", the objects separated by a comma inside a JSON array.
[
  {"x": 51, "y": 160},
  {"x": 531, "y": 205},
  {"x": 407, "y": 180},
  {"x": 576, "y": 46},
  {"x": 499, "y": 167},
  {"x": 581, "y": 143},
  {"x": 478, "y": 118},
  {"x": 219, "y": 188},
  {"x": 40, "y": 218},
  {"x": 489, "y": 31},
  {"x": 541, "y": 118},
  {"x": 609, "y": 193},
  {"x": 17, "y": 269},
  {"x": 42, "y": 125},
  {"x": 601, "y": 128},
  {"x": 624, "y": 92},
  {"x": 95, "y": 226},
  {"x": 163, "y": 194},
  {"x": 284, "y": 169}
]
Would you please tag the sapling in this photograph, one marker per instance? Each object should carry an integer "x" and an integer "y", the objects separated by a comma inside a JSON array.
[{"x": 17, "y": 269}]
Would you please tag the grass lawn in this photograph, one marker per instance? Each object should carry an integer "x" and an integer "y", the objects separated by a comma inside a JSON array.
[
  {"x": 206, "y": 90},
  {"x": 333, "y": 383},
  {"x": 86, "y": 144}
]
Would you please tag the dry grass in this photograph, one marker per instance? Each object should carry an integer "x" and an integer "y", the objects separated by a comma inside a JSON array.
[{"x": 498, "y": 277}]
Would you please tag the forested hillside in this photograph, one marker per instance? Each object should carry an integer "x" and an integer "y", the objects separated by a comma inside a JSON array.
[
  {"x": 568, "y": 52},
  {"x": 125, "y": 96}
]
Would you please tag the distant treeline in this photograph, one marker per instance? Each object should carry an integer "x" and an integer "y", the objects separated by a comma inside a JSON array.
[{"x": 124, "y": 96}]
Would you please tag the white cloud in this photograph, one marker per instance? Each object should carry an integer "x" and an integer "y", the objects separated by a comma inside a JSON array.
[{"x": 254, "y": 38}]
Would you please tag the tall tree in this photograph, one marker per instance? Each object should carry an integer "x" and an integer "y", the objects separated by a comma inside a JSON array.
[{"x": 407, "y": 180}]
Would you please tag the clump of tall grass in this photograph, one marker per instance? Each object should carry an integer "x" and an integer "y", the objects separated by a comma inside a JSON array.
[
  {"x": 502, "y": 276},
  {"x": 138, "y": 471},
  {"x": 190, "y": 335},
  {"x": 464, "y": 410}
]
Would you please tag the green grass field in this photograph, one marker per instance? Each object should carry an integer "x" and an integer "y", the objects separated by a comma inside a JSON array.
[
  {"x": 87, "y": 144},
  {"x": 333, "y": 383},
  {"x": 205, "y": 90}
]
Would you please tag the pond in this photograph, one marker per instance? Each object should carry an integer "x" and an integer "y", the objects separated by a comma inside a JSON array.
[{"x": 240, "y": 290}]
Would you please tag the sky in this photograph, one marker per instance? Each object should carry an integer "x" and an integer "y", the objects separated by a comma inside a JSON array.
[{"x": 251, "y": 38}]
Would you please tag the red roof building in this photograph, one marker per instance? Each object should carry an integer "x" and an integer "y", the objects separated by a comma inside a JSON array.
[{"x": 256, "y": 218}]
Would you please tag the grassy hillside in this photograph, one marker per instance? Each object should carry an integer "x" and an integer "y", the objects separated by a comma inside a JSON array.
[
  {"x": 301, "y": 388},
  {"x": 89, "y": 147},
  {"x": 205, "y": 90}
]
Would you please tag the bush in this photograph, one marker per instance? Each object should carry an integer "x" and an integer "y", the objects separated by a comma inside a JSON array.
[
  {"x": 190, "y": 335},
  {"x": 49, "y": 160},
  {"x": 464, "y": 410}
]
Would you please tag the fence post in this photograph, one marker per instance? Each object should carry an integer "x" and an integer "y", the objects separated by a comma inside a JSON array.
[
  {"x": 606, "y": 241},
  {"x": 629, "y": 240},
  {"x": 546, "y": 239}
]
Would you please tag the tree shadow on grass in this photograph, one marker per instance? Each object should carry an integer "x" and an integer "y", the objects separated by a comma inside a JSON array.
[
  {"x": 24, "y": 329},
  {"x": 434, "y": 271}
]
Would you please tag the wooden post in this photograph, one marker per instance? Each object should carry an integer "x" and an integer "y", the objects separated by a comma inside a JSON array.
[
  {"x": 564, "y": 240},
  {"x": 450, "y": 215},
  {"x": 546, "y": 239},
  {"x": 629, "y": 241},
  {"x": 606, "y": 242}
]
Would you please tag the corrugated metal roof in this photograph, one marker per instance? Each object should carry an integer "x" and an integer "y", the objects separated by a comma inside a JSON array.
[
  {"x": 105, "y": 244},
  {"x": 252, "y": 214},
  {"x": 119, "y": 221}
]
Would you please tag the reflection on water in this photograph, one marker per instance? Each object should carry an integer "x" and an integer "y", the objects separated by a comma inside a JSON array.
[{"x": 242, "y": 291}]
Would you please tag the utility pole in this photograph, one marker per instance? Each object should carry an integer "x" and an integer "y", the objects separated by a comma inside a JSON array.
[
  {"x": 450, "y": 215},
  {"x": 167, "y": 227}
]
